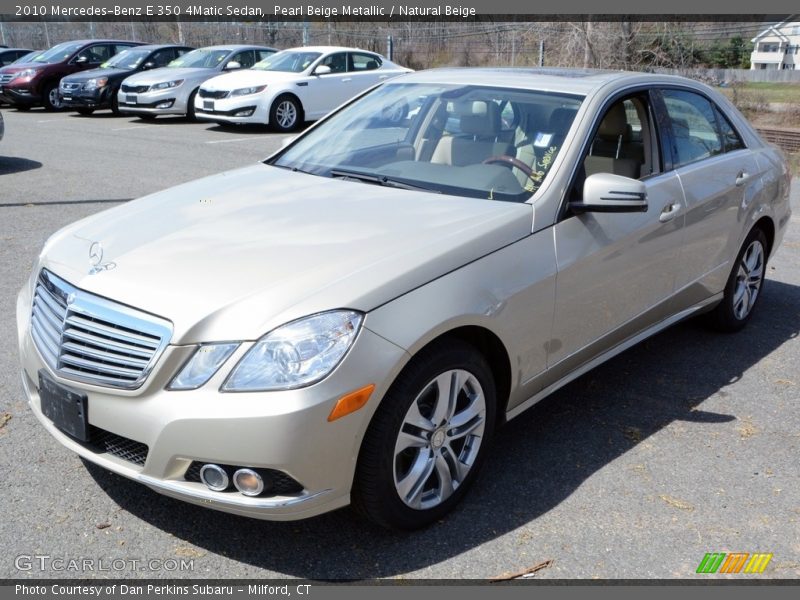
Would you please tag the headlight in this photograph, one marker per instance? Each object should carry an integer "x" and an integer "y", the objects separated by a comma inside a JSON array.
[
  {"x": 296, "y": 354},
  {"x": 249, "y": 90},
  {"x": 205, "y": 361},
  {"x": 165, "y": 85},
  {"x": 27, "y": 73},
  {"x": 93, "y": 84}
]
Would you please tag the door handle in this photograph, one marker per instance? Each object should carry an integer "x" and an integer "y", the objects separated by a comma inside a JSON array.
[
  {"x": 347, "y": 79},
  {"x": 741, "y": 178},
  {"x": 669, "y": 212},
  {"x": 382, "y": 76}
]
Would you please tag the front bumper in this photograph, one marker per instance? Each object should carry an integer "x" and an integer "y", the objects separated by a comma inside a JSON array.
[
  {"x": 286, "y": 431},
  {"x": 23, "y": 95},
  {"x": 147, "y": 103},
  {"x": 98, "y": 98},
  {"x": 224, "y": 110}
]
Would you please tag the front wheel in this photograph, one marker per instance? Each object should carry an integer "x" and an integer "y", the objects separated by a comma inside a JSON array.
[
  {"x": 190, "y": 115},
  {"x": 744, "y": 285},
  {"x": 51, "y": 99},
  {"x": 285, "y": 114},
  {"x": 428, "y": 438}
]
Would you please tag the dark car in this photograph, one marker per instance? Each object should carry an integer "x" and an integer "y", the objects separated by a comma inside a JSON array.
[
  {"x": 26, "y": 58},
  {"x": 36, "y": 83},
  {"x": 97, "y": 88},
  {"x": 10, "y": 55}
]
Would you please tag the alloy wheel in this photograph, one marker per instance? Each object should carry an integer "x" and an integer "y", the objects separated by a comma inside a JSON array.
[
  {"x": 748, "y": 280},
  {"x": 286, "y": 114}
]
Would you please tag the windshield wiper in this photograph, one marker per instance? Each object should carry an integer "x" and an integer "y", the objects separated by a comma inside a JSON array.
[{"x": 379, "y": 180}]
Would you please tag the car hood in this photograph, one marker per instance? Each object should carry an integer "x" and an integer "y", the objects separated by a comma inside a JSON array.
[
  {"x": 170, "y": 74},
  {"x": 247, "y": 78},
  {"x": 232, "y": 256},
  {"x": 92, "y": 73},
  {"x": 23, "y": 66}
]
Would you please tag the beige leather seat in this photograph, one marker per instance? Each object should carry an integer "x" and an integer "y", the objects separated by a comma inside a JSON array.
[
  {"x": 610, "y": 147},
  {"x": 478, "y": 140}
]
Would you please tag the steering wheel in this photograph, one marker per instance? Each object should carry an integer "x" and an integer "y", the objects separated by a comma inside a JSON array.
[{"x": 512, "y": 162}]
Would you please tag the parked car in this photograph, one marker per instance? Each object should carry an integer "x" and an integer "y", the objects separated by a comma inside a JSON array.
[
  {"x": 98, "y": 88},
  {"x": 10, "y": 55},
  {"x": 25, "y": 85},
  {"x": 171, "y": 90},
  {"x": 293, "y": 86},
  {"x": 26, "y": 58},
  {"x": 351, "y": 320}
]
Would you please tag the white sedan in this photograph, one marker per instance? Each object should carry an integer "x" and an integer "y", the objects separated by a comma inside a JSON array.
[{"x": 293, "y": 86}]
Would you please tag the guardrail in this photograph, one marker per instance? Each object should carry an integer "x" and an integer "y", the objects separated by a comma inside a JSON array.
[{"x": 787, "y": 140}]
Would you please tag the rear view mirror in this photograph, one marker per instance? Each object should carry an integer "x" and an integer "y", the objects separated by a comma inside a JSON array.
[
  {"x": 148, "y": 65},
  {"x": 605, "y": 192},
  {"x": 322, "y": 70},
  {"x": 233, "y": 65}
]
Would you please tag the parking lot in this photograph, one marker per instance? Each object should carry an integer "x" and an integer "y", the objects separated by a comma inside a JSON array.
[{"x": 683, "y": 445}]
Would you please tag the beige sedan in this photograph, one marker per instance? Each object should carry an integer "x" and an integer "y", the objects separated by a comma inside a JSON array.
[{"x": 352, "y": 320}]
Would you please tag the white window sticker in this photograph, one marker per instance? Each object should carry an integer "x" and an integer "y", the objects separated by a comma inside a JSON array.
[{"x": 542, "y": 140}]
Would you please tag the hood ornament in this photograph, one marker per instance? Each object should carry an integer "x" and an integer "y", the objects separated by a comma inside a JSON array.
[{"x": 96, "y": 259}]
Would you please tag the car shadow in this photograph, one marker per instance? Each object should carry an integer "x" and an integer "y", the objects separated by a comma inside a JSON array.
[
  {"x": 584, "y": 426},
  {"x": 12, "y": 164}
]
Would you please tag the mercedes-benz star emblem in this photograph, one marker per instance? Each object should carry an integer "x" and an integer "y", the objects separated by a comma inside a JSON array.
[{"x": 96, "y": 259}]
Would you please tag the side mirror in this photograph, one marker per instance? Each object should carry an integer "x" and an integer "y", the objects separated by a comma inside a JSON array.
[
  {"x": 606, "y": 192},
  {"x": 148, "y": 65},
  {"x": 322, "y": 70},
  {"x": 233, "y": 65},
  {"x": 82, "y": 59}
]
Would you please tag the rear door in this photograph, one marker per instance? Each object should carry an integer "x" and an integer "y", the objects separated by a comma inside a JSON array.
[
  {"x": 327, "y": 91},
  {"x": 719, "y": 176}
]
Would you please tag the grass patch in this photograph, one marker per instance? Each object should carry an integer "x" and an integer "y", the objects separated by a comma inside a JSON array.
[{"x": 768, "y": 91}]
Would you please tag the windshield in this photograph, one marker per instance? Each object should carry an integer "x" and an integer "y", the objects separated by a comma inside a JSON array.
[
  {"x": 58, "y": 53},
  {"x": 288, "y": 61},
  {"x": 127, "y": 59},
  {"x": 27, "y": 58},
  {"x": 474, "y": 141},
  {"x": 200, "y": 59}
]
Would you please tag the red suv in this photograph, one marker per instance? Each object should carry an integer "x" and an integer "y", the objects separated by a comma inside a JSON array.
[{"x": 36, "y": 83}]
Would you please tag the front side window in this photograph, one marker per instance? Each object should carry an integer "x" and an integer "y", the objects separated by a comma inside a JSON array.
[
  {"x": 246, "y": 58},
  {"x": 127, "y": 59},
  {"x": 288, "y": 61},
  {"x": 444, "y": 138},
  {"x": 694, "y": 127},
  {"x": 337, "y": 62},
  {"x": 200, "y": 59}
]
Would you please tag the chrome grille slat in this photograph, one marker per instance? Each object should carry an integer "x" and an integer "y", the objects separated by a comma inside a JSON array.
[
  {"x": 7, "y": 77},
  {"x": 77, "y": 349},
  {"x": 87, "y": 338}
]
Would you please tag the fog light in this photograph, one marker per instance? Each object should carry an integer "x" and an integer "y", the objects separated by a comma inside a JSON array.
[
  {"x": 215, "y": 478},
  {"x": 164, "y": 105},
  {"x": 248, "y": 482},
  {"x": 244, "y": 113}
]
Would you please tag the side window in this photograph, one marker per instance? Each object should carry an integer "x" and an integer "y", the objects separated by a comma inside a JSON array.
[
  {"x": 364, "y": 62},
  {"x": 246, "y": 58},
  {"x": 181, "y": 51},
  {"x": 731, "y": 140},
  {"x": 621, "y": 145},
  {"x": 102, "y": 52},
  {"x": 337, "y": 62},
  {"x": 7, "y": 58},
  {"x": 119, "y": 48},
  {"x": 262, "y": 54},
  {"x": 163, "y": 57},
  {"x": 694, "y": 127}
]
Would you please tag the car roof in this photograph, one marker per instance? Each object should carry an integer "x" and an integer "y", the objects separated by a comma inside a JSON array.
[
  {"x": 101, "y": 41},
  {"x": 233, "y": 47},
  {"x": 161, "y": 46},
  {"x": 568, "y": 81},
  {"x": 16, "y": 50},
  {"x": 332, "y": 49}
]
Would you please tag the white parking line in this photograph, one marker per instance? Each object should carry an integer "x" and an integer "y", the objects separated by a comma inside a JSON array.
[
  {"x": 247, "y": 139},
  {"x": 134, "y": 127},
  {"x": 56, "y": 120}
]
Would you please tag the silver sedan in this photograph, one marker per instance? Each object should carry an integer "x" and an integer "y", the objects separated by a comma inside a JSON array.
[
  {"x": 352, "y": 320},
  {"x": 171, "y": 90}
]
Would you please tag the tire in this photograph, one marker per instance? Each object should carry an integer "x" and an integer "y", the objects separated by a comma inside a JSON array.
[
  {"x": 745, "y": 285},
  {"x": 85, "y": 111},
  {"x": 190, "y": 107},
  {"x": 50, "y": 98},
  {"x": 23, "y": 108},
  {"x": 411, "y": 475},
  {"x": 286, "y": 114},
  {"x": 114, "y": 104},
  {"x": 147, "y": 117}
]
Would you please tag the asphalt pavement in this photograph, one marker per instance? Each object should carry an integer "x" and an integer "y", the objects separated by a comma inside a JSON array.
[{"x": 683, "y": 445}]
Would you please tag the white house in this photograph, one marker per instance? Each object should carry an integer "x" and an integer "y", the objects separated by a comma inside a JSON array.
[{"x": 777, "y": 47}]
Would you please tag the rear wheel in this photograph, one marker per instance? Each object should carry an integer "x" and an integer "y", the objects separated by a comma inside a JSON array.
[
  {"x": 428, "y": 438},
  {"x": 744, "y": 285},
  {"x": 285, "y": 115},
  {"x": 50, "y": 98}
]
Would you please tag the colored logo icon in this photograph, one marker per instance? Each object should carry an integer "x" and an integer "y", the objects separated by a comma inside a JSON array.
[{"x": 735, "y": 562}]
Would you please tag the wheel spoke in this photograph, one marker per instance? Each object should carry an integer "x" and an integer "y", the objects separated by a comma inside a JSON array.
[
  {"x": 447, "y": 384},
  {"x": 458, "y": 469},
  {"x": 415, "y": 418},
  {"x": 411, "y": 486},
  {"x": 445, "y": 477},
  {"x": 410, "y": 438},
  {"x": 467, "y": 421}
]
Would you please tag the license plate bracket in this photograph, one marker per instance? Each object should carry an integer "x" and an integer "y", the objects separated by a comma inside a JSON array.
[
  {"x": 208, "y": 105},
  {"x": 66, "y": 408},
  {"x": 130, "y": 98}
]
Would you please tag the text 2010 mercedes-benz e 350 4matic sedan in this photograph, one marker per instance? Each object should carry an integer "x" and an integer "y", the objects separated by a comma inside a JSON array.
[{"x": 352, "y": 320}]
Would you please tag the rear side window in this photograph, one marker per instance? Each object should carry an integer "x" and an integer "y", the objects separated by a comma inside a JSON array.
[
  {"x": 694, "y": 127},
  {"x": 364, "y": 62},
  {"x": 730, "y": 138}
]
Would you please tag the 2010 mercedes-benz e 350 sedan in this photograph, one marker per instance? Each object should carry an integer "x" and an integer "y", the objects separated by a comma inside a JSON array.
[{"x": 351, "y": 321}]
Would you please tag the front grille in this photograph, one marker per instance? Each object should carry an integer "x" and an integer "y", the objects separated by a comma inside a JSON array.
[
  {"x": 70, "y": 86},
  {"x": 276, "y": 483},
  {"x": 134, "y": 89},
  {"x": 87, "y": 338},
  {"x": 7, "y": 77},
  {"x": 101, "y": 440},
  {"x": 219, "y": 95}
]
